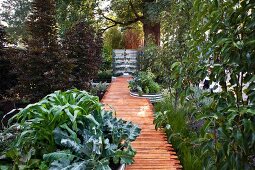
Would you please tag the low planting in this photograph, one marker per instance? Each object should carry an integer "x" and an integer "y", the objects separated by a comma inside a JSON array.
[
  {"x": 68, "y": 130},
  {"x": 105, "y": 75},
  {"x": 206, "y": 138},
  {"x": 99, "y": 89},
  {"x": 181, "y": 127},
  {"x": 144, "y": 83}
]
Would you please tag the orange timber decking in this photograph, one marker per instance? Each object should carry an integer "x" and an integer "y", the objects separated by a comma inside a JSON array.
[{"x": 153, "y": 150}]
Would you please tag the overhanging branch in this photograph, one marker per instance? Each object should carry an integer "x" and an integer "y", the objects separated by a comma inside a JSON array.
[
  {"x": 115, "y": 22},
  {"x": 103, "y": 30},
  {"x": 112, "y": 20},
  {"x": 139, "y": 18}
]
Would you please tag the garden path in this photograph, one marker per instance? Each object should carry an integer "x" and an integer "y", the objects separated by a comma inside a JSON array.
[{"x": 153, "y": 150}]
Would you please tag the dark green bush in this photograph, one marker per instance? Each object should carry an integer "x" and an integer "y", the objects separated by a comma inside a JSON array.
[{"x": 107, "y": 74}]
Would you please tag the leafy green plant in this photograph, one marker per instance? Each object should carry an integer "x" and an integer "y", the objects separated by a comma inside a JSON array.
[
  {"x": 101, "y": 140},
  {"x": 144, "y": 83},
  {"x": 107, "y": 74},
  {"x": 37, "y": 121},
  {"x": 218, "y": 43},
  {"x": 99, "y": 89},
  {"x": 223, "y": 33},
  {"x": 179, "y": 127},
  {"x": 72, "y": 120}
]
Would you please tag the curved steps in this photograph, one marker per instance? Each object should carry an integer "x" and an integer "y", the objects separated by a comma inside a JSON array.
[{"x": 153, "y": 150}]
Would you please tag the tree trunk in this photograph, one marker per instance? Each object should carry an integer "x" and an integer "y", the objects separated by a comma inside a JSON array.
[
  {"x": 151, "y": 28},
  {"x": 151, "y": 32}
]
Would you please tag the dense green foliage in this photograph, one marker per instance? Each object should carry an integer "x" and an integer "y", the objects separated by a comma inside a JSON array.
[
  {"x": 182, "y": 127},
  {"x": 69, "y": 12},
  {"x": 104, "y": 75},
  {"x": 73, "y": 126},
  {"x": 15, "y": 13},
  {"x": 144, "y": 83},
  {"x": 230, "y": 43},
  {"x": 218, "y": 43},
  {"x": 83, "y": 45},
  {"x": 212, "y": 39}
]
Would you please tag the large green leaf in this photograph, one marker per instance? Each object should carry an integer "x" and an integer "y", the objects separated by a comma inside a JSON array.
[{"x": 64, "y": 155}]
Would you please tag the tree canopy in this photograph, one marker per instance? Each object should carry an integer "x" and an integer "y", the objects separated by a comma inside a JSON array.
[{"x": 117, "y": 12}]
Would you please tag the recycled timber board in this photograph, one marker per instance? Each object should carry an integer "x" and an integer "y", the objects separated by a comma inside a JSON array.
[{"x": 153, "y": 150}]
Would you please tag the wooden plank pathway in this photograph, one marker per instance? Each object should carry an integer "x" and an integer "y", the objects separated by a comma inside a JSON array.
[{"x": 153, "y": 150}]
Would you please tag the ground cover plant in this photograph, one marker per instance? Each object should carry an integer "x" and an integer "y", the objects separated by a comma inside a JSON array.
[{"x": 69, "y": 129}]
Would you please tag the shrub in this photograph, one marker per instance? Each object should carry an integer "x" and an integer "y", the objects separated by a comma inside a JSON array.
[
  {"x": 113, "y": 39},
  {"x": 144, "y": 83},
  {"x": 103, "y": 75},
  {"x": 83, "y": 45}
]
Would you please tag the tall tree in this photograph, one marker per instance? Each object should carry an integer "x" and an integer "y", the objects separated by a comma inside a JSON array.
[
  {"x": 125, "y": 12},
  {"x": 43, "y": 69},
  {"x": 145, "y": 11},
  {"x": 15, "y": 13}
]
